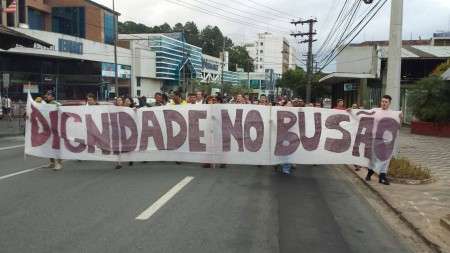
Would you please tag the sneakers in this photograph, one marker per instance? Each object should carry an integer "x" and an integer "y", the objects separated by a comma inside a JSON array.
[
  {"x": 50, "y": 166},
  {"x": 57, "y": 167}
]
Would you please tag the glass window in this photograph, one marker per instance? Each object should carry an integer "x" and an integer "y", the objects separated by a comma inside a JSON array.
[
  {"x": 36, "y": 20},
  {"x": 69, "y": 20},
  {"x": 109, "y": 29},
  {"x": 138, "y": 81},
  {"x": 261, "y": 51},
  {"x": 138, "y": 92},
  {"x": 261, "y": 43}
]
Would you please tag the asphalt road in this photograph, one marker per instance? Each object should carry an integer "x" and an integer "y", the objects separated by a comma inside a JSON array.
[{"x": 91, "y": 207}]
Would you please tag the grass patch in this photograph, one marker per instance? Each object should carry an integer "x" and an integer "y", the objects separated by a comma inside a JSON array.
[{"x": 402, "y": 168}]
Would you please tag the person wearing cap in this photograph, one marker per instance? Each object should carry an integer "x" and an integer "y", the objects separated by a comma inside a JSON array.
[
  {"x": 49, "y": 98},
  {"x": 55, "y": 164}
]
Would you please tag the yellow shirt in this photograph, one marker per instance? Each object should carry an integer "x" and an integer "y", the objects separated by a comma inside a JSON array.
[{"x": 182, "y": 103}]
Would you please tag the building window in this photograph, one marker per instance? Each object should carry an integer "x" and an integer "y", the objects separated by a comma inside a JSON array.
[
  {"x": 260, "y": 66},
  {"x": 260, "y": 59},
  {"x": 261, "y": 51},
  {"x": 36, "y": 20},
  {"x": 108, "y": 29},
  {"x": 138, "y": 92},
  {"x": 69, "y": 20},
  {"x": 261, "y": 43},
  {"x": 138, "y": 82}
]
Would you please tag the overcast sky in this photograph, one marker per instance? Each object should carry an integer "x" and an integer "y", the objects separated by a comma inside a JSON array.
[{"x": 242, "y": 20}]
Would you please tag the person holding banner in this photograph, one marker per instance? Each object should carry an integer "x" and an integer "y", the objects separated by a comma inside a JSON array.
[
  {"x": 119, "y": 102},
  {"x": 374, "y": 163},
  {"x": 49, "y": 98},
  {"x": 340, "y": 105}
]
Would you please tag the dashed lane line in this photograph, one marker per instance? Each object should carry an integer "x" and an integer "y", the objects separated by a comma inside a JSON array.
[
  {"x": 18, "y": 146},
  {"x": 164, "y": 199}
]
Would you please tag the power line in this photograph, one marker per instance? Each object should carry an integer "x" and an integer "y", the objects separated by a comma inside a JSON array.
[
  {"x": 252, "y": 7},
  {"x": 186, "y": 5},
  {"x": 240, "y": 15},
  {"x": 273, "y": 9}
]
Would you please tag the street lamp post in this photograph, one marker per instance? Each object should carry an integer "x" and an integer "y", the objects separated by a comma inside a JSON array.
[
  {"x": 248, "y": 72},
  {"x": 116, "y": 78}
]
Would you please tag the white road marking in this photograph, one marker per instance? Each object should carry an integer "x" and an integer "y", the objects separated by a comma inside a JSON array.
[
  {"x": 20, "y": 172},
  {"x": 431, "y": 197},
  {"x": 164, "y": 199},
  {"x": 415, "y": 207},
  {"x": 18, "y": 146}
]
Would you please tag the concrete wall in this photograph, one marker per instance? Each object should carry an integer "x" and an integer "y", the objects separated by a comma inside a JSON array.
[
  {"x": 149, "y": 87},
  {"x": 355, "y": 60}
]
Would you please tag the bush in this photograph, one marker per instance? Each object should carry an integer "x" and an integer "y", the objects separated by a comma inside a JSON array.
[
  {"x": 402, "y": 168},
  {"x": 429, "y": 100}
]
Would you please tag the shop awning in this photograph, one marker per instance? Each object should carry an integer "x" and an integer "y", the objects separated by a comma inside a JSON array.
[
  {"x": 342, "y": 77},
  {"x": 9, "y": 38}
]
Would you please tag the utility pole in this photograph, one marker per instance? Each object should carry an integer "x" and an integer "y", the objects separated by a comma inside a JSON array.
[
  {"x": 309, "y": 64},
  {"x": 116, "y": 69},
  {"x": 395, "y": 59},
  {"x": 223, "y": 63}
]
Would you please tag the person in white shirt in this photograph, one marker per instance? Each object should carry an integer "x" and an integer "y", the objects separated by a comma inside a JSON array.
[
  {"x": 198, "y": 98},
  {"x": 7, "y": 110}
]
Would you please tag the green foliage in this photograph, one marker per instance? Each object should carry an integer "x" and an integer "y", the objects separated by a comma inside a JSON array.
[
  {"x": 192, "y": 34},
  {"x": 211, "y": 39},
  {"x": 402, "y": 168},
  {"x": 440, "y": 69},
  {"x": 239, "y": 56},
  {"x": 429, "y": 100}
]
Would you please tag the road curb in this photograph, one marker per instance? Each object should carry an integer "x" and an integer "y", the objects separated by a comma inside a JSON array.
[
  {"x": 416, "y": 230},
  {"x": 445, "y": 222},
  {"x": 412, "y": 181}
]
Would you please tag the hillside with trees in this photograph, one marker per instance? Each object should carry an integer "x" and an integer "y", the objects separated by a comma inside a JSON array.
[{"x": 210, "y": 39}]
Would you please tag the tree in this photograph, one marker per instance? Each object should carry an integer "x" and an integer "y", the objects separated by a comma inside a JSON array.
[
  {"x": 429, "y": 100},
  {"x": 211, "y": 39},
  {"x": 165, "y": 28},
  {"x": 239, "y": 57},
  {"x": 440, "y": 69},
  {"x": 192, "y": 34},
  {"x": 178, "y": 27}
]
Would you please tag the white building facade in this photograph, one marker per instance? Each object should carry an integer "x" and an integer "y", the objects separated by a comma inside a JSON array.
[{"x": 269, "y": 52}]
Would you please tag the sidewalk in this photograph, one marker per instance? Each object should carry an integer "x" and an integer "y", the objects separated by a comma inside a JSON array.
[
  {"x": 421, "y": 206},
  {"x": 12, "y": 128}
]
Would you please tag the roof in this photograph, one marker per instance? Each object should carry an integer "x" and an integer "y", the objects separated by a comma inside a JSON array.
[
  {"x": 386, "y": 43},
  {"x": 9, "y": 38},
  {"x": 423, "y": 52},
  {"x": 446, "y": 75},
  {"x": 342, "y": 77}
]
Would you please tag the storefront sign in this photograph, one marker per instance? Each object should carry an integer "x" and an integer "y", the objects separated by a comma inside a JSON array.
[
  {"x": 70, "y": 46},
  {"x": 109, "y": 70},
  {"x": 208, "y": 64},
  {"x": 32, "y": 88}
]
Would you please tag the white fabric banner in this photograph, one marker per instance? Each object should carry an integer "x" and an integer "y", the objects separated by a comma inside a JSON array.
[{"x": 218, "y": 133}]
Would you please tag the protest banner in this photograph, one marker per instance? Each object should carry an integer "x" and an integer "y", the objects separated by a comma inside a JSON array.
[{"x": 217, "y": 133}]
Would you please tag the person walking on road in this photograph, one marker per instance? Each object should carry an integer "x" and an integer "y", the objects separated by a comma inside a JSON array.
[
  {"x": 374, "y": 162},
  {"x": 55, "y": 164},
  {"x": 7, "y": 107}
]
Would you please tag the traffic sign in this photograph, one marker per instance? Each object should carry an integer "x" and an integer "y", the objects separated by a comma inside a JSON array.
[{"x": 6, "y": 80}]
